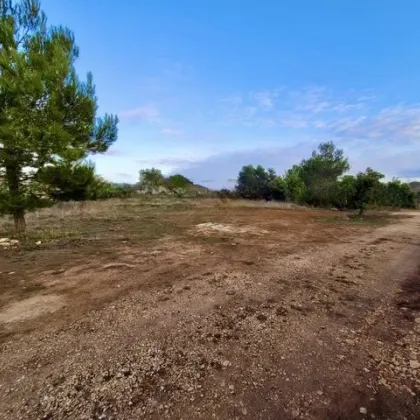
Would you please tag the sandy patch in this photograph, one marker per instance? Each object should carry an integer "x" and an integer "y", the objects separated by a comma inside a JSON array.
[
  {"x": 209, "y": 227},
  {"x": 31, "y": 308}
]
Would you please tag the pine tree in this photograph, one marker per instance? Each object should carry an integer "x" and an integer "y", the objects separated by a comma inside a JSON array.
[{"x": 47, "y": 115}]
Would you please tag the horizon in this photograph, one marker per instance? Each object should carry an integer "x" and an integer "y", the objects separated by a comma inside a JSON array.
[{"x": 206, "y": 90}]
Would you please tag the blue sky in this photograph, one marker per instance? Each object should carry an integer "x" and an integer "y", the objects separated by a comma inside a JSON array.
[{"x": 203, "y": 87}]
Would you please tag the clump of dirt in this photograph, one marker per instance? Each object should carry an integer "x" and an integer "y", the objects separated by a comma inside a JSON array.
[
  {"x": 410, "y": 293},
  {"x": 30, "y": 308}
]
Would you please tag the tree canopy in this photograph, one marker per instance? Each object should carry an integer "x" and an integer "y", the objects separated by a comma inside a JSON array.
[
  {"x": 151, "y": 179},
  {"x": 47, "y": 114},
  {"x": 321, "y": 171}
]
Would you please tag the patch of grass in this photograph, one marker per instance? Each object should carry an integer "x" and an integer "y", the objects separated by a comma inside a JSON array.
[
  {"x": 214, "y": 240},
  {"x": 75, "y": 223},
  {"x": 33, "y": 288},
  {"x": 373, "y": 219}
]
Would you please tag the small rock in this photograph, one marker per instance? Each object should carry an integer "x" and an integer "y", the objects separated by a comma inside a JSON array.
[
  {"x": 38, "y": 243},
  {"x": 363, "y": 410},
  {"x": 230, "y": 292},
  {"x": 319, "y": 392},
  {"x": 225, "y": 363},
  {"x": 414, "y": 364},
  {"x": 295, "y": 414},
  {"x": 262, "y": 317},
  {"x": 417, "y": 320},
  {"x": 4, "y": 240}
]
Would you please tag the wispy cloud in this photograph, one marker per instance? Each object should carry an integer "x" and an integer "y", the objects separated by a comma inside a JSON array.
[
  {"x": 171, "y": 162},
  {"x": 172, "y": 132},
  {"x": 319, "y": 99},
  {"x": 114, "y": 152},
  {"x": 400, "y": 124},
  {"x": 124, "y": 175},
  {"x": 148, "y": 113},
  {"x": 345, "y": 116},
  {"x": 294, "y": 122},
  {"x": 251, "y": 110},
  {"x": 265, "y": 99}
]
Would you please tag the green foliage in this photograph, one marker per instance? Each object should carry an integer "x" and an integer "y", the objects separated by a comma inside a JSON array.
[
  {"x": 46, "y": 113},
  {"x": 178, "y": 184},
  {"x": 344, "y": 193},
  {"x": 400, "y": 194},
  {"x": 78, "y": 182},
  {"x": 68, "y": 181},
  {"x": 151, "y": 180},
  {"x": 101, "y": 190},
  {"x": 294, "y": 186},
  {"x": 253, "y": 182},
  {"x": 178, "y": 181},
  {"x": 320, "y": 173},
  {"x": 277, "y": 188},
  {"x": 320, "y": 181},
  {"x": 364, "y": 185}
]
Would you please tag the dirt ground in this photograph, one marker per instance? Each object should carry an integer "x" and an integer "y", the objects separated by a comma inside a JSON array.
[{"x": 210, "y": 310}]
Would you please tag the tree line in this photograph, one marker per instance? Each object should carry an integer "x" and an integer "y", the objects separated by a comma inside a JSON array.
[{"x": 321, "y": 180}]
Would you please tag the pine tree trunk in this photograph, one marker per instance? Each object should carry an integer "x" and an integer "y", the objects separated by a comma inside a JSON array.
[
  {"x": 13, "y": 179},
  {"x": 20, "y": 223}
]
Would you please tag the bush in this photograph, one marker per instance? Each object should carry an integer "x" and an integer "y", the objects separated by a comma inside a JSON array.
[{"x": 225, "y": 194}]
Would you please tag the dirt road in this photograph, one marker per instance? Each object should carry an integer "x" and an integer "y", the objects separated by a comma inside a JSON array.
[{"x": 325, "y": 331}]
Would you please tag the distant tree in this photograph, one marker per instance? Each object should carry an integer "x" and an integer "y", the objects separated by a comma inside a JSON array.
[
  {"x": 277, "y": 188},
  {"x": 294, "y": 186},
  {"x": 179, "y": 185},
  {"x": 320, "y": 173},
  {"x": 345, "y": 191},
  {"x": 252, "y": 182},
  {"x": 178, "y": 181},
  {"x": 256, "y": 183},
  {"x": 415, "y": 185},
  {"x": 151, "y": 180},
  {"x": 46, "y": 113},
  {"x": 364, "y": 185},
  {"x": 399, "y": 194}
]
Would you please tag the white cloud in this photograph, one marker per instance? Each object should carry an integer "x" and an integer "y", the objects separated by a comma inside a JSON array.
[
  {"x": 265, "y": 99},
  {"x": 171, "y": 132},
  {"x": 148, "y": 113},
  {"x": 294, "y": 122},
  {"x": 399, "y": 124}
]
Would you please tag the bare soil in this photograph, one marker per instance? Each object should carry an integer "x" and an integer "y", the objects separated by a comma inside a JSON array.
[{"x": 210, "y": 310}]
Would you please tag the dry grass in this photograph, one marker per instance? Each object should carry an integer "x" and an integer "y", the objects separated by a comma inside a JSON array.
[{"x": 149, "y": 218}]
